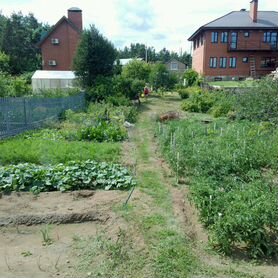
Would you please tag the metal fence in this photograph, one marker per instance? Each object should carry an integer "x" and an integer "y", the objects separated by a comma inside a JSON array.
[{"x": 21, "y": 114}]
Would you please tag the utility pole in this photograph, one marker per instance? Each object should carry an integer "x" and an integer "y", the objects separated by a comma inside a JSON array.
[{"x": 146, "y": 53}]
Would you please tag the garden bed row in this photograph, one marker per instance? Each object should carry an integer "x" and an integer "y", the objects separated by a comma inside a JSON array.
[{"x": 232, "y": 171}]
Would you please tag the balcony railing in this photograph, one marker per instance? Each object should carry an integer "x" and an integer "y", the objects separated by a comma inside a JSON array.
[{"x": 252, "y": 46}]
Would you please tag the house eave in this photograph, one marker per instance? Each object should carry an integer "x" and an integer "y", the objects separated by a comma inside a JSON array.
[{"x": 201, "y": 29}]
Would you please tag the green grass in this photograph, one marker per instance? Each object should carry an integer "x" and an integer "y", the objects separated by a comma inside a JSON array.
[
  {"x": 232, "y": 84},
  {"x": 41, "y": 151}
]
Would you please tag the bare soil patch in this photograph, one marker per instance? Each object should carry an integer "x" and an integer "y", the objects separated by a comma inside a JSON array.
[
  {"x": 57, "y": 208},
  {"x": 23, "y": 252}
]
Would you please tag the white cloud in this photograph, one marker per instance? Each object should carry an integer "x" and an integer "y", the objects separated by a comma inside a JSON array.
[{"x": 153, "y": 22}]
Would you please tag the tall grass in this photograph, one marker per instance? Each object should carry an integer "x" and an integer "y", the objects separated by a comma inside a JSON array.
[{"x": 42, "y": 151}]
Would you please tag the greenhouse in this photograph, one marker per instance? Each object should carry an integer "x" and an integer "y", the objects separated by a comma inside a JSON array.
[{"x": 45, "y": 79}]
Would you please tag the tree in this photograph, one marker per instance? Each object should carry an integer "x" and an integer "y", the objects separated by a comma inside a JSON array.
[
  {"x": 4, "y": 63},
  {"x": 160, "y": 77},
  {"x": 137, "y": 70},
  {"x": 19, "y": 42},
  {"x": 164, "y": 55},
  {"x": 94, "y": 57}
]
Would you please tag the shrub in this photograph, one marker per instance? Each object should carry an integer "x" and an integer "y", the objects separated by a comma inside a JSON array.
[
  {"x": 259, "y": 103},
  {"x": 160, "y": 77},
  {"x": 137, "y": 70},
  {"x": 112, "y": 113},
  {"x": 102, "y": 132},
  {"x": 137, "y": 88},
  {"x": 184, "y": 94},
  {"x": 119, "y": 100},
  {"x": 13, "y": 86},
  {"x": 191, "y": 77},
  {"x": 102, "y": 89},
  {"x": 199, "y": 101},
  {"x": 224, "y": 103}
]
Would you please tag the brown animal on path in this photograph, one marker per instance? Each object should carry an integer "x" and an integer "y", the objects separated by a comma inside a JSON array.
[{"x": 171, "y": 115}]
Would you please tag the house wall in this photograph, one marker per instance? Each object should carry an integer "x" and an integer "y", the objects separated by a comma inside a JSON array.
[
  {"x": 202, "y": 54},
  {"x": 181, "y": 66},
  {"x": 64, "y": 52},
  {"x": 198, "y": 59}
]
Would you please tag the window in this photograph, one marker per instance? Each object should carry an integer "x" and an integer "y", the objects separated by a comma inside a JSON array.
[
  {"x": 224, "y": 37},
  {"x": 198, "y": 42},
  {"x": 232, "y": 62},
  {"x": 54, "y": 41},
  {"x": 246, "y": 34},
  {"x": 273, "y": 40},
  {"x": 174, "y": 66},
  {"x": 214, "y": 37},
  {"x": 245, "y": 60},
  {"x": 233, "y": 44},
  {"x": 223, "y": 62},
  {"x": 267, "y": 36},
  {"x": 202, "y": 40},
  {"x": 212, "y": 62},
  {"x": 52, "y": 63},
  {"x": 268, "y": 62},
  {"x": 271, "y": 37}
]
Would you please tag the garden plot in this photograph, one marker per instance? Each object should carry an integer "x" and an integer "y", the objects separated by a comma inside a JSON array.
[
  {"x": 31, "y": 250},
  {"x": 57, "y": 208}
]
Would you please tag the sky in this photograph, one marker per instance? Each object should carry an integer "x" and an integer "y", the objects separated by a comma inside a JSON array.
[{"x": 157, "y": 23}]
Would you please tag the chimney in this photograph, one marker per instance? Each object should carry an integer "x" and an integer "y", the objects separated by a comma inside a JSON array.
[
  {"x": 75, "y": 16},
  {"x": 254, "y": 10}
]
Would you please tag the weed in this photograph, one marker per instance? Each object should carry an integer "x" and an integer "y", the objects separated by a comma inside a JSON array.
[
  {"x": 26, "y": 253},
  {"x": 46, "y": 239}
]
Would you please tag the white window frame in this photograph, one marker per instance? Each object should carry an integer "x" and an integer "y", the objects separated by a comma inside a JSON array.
[
  {"x": 55, "y": 41},
  {"x": 174, "y": 66},
  {"x": 52, "y": 63}
]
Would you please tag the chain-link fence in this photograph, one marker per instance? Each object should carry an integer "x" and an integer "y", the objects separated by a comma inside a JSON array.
[{"x": 21, "y": 114}]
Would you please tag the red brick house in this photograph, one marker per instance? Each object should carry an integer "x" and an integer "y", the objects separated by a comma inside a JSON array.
[
  {"x": 59, "y": 45},
  {"x": 237, "y": 45}
]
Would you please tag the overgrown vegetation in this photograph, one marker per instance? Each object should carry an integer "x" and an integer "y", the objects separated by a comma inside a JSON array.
[
  {"x": 257, "y": 103},
  {"x": 13, "y": 86},
  {"x": 74, "y": 175}
]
